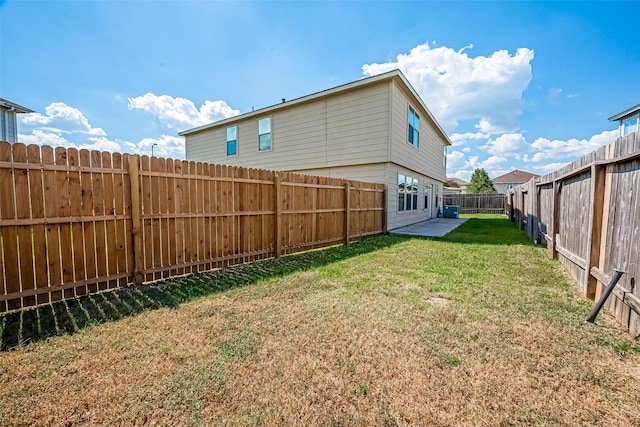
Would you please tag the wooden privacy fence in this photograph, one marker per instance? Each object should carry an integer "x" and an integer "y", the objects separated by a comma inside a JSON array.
[
  {"x": 588, "y": 214},
  {"x": 76, "y": 221},
  {"x": 476, "y": 203}
]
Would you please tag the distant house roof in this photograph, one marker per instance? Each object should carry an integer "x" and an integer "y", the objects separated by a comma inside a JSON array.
[
  {"x": 515, "y": 176},
  {"x": 390, "y": 75},
  {"x": 625, "y": 113},
  {"x": 460, "y": 182},
  {"x": 11, "y": 105}
]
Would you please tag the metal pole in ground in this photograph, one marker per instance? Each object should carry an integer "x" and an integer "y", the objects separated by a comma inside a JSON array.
[{"x": 612, "y": 284}]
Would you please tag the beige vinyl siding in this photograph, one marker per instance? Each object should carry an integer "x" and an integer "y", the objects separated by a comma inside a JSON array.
[
  {"x": 358, "y": 126},
  {"x": 500, "y": 188},
  {"x": 427, "y": 158},
  {"x": 374, "y": 172},
  {"x": 335, "y": 131}
]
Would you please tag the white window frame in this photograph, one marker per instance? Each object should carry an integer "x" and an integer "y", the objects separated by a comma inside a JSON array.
[
  {"x": 229, "y": 140},
  {"x": 413, "y": 131},
  {"x": 270, "y": 133},
  {"x": 409, "y": 193}
]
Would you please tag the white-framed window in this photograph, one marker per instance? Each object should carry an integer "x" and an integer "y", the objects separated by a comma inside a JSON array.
[
  {"x": 630, "y": 125},
  {"x": 232, "y": 141},
  {"x": 407, "y": 193},
  {"x": 264, "y": 134},
  {"x": 413, "y": 133},
  {"x": 444, "y": 157}
]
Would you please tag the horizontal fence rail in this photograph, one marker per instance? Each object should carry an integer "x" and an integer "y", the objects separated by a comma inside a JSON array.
[
  {"x": 76, "y": 221},
  {"x": 588, "y": 215},
  {"x": 477, "y": 203}
]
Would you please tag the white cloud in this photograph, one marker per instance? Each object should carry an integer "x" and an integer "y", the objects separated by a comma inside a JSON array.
[
  {"x": 41, "y": 137},
  {"x": 60, "y": 118},
  {"x": 165, "y": 146},
  {"x": 485, "y": 126},
  {"x": 472, "y": 162},
  {"x": 508, "y": 144},
  {"x": 102, "y": 144},
  {"x": 181, "y": 113},
  {"x": 463, "y": 168},
  {"x": 65, "y": 126},
  {"x": 460, "y": 138},
  {"x": 463, "y": 174},
  {"x": 493, "y": 162},
  {"x": 546, "y": 149},
  {"x": 455, "y": 159},
  {"x": 458, "y": 87}
]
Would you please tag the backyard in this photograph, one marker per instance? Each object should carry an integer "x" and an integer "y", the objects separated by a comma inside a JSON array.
[{"x": 476, "y": 328}]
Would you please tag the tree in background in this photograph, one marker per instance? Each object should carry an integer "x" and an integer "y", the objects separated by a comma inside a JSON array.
[
  {"x": 480, "y": 183},
  {"x": 451, "y": 184}
]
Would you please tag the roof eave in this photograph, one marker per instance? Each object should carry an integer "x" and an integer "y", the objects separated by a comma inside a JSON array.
[
  {"x": 16, "y": 107},
  {"x": 296, "y": 101},
  {"x": 389, "y": 75},
  {"x": 625, "y": 113}
]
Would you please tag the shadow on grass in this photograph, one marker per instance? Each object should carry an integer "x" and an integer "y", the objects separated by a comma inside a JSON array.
[
  {"x": 488, "y": 230},
  {"x": 72, "y": 315}
]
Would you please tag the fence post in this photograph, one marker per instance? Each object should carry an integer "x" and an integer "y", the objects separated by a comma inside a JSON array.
[
  {"x": 134, "y": 179},
  {"x": 278, "y": 209},
  {"x": 384, "y": 211},
  {"x": 556, "y": 218},
  {"x": 347, "y": 207},
  {"x": 595, "y": 223}
]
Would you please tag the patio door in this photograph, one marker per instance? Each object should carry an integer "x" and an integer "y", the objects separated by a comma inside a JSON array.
[{"x": 428, "y": 199}]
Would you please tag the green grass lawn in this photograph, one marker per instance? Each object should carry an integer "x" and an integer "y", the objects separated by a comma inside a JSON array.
[{"x": 476, "y": 328}]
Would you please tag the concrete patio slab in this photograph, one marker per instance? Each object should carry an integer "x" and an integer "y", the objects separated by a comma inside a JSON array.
[{"x": 437, "y": 227}]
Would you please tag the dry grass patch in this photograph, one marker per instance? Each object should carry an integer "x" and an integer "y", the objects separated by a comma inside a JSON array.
[{"x": 477, "y": 328}]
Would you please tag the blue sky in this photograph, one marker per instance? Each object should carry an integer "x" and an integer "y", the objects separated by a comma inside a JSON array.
[{"x": 516, "y": 85}]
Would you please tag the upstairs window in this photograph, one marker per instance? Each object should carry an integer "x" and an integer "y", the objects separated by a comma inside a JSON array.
[
  {"x": 444, "y": 157},
  {"x": 264, "y": 134},
  {"x": 413, "y": 135},
  {"x": 630, "y": 125},
  {"x": 232, "y": 141}
]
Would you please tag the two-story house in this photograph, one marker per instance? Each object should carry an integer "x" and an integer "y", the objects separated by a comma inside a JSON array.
[{"x": 376, "y": 129}]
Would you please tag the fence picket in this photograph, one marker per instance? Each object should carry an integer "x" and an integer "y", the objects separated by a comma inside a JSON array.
[
  {"x": 75, "y": 210},
  {"x": 89, "y": 232},
  {"x": 10, "y": 235},
  {"x": 100, "y": 231},
  {"x": 36, "y": 195},
  {"x": 120, "y": 228},
  {"x": 23, "y": 211}
]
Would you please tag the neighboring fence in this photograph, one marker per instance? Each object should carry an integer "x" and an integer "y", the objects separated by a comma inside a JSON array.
[
  {"x": 477, "y": 203},
  {"x": 75, "y": 221},
  {"x": 588, "y": 213}
]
